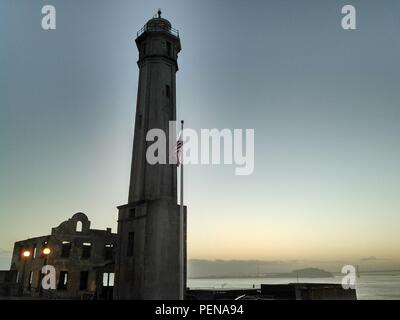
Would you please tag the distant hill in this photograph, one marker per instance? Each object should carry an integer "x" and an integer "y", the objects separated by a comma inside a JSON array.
[
  {"x": 303, "y": 273},
  {"x": 205, "y": 269}
]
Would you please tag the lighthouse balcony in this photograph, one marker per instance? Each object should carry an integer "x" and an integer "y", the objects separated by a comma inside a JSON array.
[{"x": 158, "y": 26}]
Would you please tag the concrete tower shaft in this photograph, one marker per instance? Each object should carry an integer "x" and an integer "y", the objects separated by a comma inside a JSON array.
[
  {"x": 148, "y": 263},
  {"x": 158, "y": 44}
]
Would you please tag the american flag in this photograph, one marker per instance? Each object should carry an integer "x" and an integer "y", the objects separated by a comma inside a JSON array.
[{"x": 178, "y": 150}]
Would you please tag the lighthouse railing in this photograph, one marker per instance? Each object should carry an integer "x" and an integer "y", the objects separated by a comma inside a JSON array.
[{"x": 158, "y": 27}]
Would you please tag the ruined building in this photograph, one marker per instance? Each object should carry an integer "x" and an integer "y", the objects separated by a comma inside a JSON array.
[{"x": 83, "y": 259}]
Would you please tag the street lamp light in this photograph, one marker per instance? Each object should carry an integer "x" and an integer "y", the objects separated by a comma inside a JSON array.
[
  {"x": 46, "y": 252},
  {"x": 25, "y": 255}
]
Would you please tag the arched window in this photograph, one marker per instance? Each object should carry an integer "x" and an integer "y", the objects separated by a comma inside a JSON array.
[{"x": 79, "y": 226}]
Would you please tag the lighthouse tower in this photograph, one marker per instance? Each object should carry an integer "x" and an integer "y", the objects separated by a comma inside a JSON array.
[{"x": 148, "y": 253}]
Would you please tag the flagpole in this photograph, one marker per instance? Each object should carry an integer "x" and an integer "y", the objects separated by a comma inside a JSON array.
[{"x": 181, "y": 233}]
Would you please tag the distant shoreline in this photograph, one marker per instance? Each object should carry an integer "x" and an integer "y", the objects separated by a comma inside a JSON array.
[
  {"x": 272, "y": 276},
  {"x": 301, "y": 273},
  {"x": 284, "y": 275}
]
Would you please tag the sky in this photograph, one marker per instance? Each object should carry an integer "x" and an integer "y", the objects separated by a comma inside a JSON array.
[{"x": 324, "y": 104}]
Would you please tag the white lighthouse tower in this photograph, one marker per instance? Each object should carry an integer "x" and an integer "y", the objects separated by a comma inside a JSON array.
[{"x": 148, "y": 255}]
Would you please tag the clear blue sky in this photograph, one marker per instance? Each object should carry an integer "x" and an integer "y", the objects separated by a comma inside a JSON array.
[{"x": 324, "y": 104}]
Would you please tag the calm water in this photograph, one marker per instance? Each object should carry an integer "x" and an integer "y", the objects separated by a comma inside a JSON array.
[{"x": 374, "y": 285}]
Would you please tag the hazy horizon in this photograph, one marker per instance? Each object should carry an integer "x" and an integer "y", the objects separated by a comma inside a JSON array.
[{"x": 324, "y": 104}]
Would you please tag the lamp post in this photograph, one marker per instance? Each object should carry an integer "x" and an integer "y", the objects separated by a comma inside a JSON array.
[
  {"x": 25, "y": 255},
  {"x": 46, "y": 252}
]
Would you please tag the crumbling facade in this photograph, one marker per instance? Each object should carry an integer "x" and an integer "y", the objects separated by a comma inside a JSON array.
[{"x": 83, "y": 259}]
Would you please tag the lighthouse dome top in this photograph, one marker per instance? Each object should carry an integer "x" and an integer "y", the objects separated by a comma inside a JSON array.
[{"x": 157, "y": 23}]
